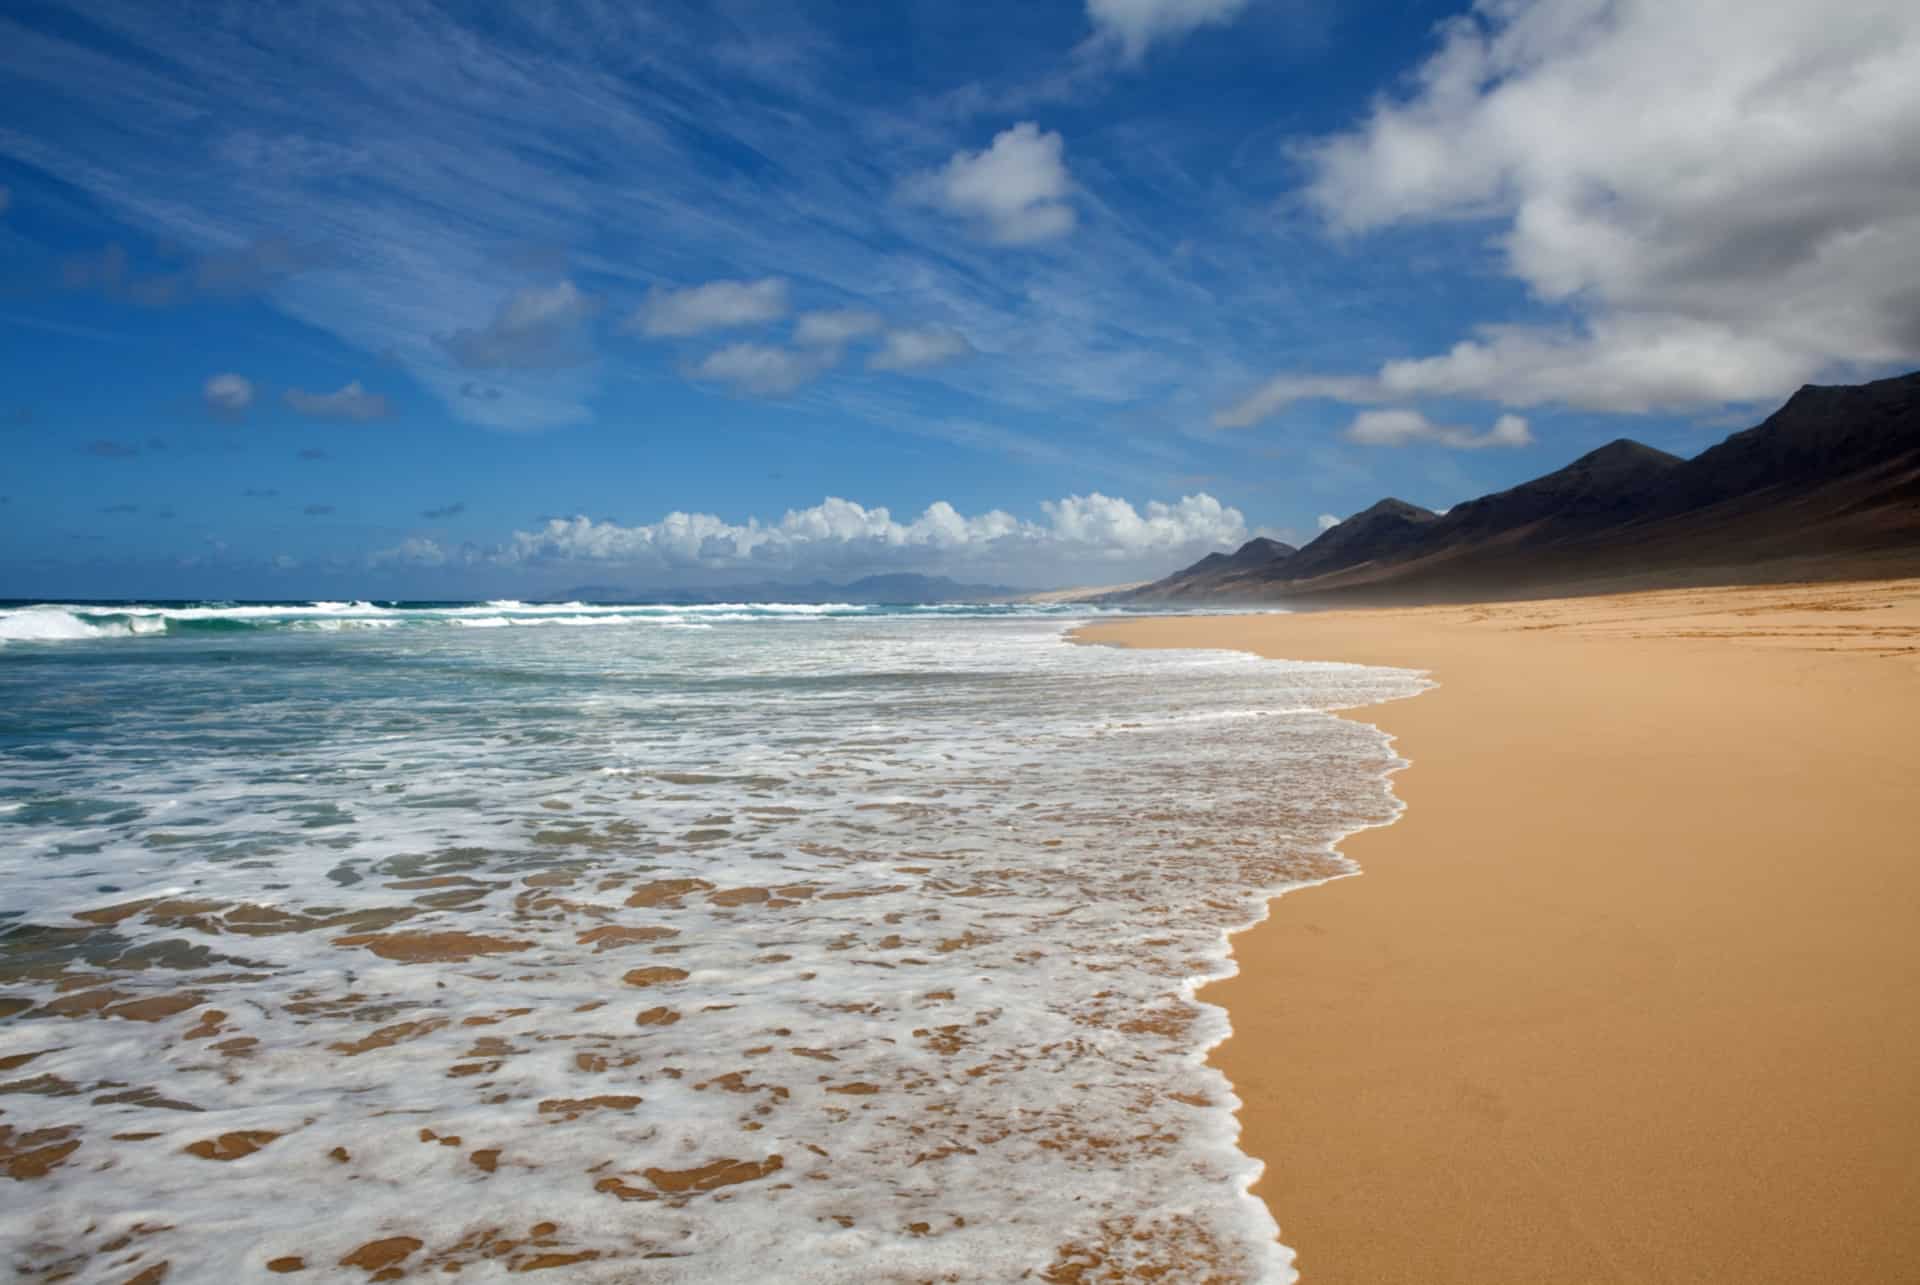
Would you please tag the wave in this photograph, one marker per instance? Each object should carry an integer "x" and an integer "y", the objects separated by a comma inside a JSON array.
[
  {"x": 58, "y": 622},
  {"x": 63, "y": 623}
]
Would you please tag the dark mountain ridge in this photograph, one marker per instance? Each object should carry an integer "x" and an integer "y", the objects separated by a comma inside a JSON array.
[
  {"x": 1827, "y": 485},
  {"x": 1217, "y": 574},
  {"x": 1374, "y": 534}
]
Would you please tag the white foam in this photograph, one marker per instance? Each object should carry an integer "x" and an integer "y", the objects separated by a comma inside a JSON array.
[
  {"x": 1048, "y": 846},
  {"x": 53, "y": 624},
  {"x": 64, "y": 623}
]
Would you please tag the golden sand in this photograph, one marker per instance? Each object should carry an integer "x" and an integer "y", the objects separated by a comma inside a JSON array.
[{"x": 1632, "y": 991}]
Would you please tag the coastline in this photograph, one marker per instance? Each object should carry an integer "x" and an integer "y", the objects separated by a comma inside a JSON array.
[{"x": 1626, "y": 993}]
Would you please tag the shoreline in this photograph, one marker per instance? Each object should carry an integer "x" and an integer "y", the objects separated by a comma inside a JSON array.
[{"x": 1626, "y": 992}]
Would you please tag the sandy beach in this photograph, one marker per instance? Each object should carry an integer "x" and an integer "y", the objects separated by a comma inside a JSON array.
[{"x": 1629, "y": 992}]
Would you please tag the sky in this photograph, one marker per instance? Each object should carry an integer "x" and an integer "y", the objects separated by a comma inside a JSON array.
[{"x": 413, "y": 300}]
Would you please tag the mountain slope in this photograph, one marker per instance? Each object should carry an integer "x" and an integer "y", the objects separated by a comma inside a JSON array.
[
  {"x": 1614, "y": 484},
  {"x": 1216, "y": 576},
  {"x": 1828, "y": 485},
  {"x": 1380, "y": 533}
]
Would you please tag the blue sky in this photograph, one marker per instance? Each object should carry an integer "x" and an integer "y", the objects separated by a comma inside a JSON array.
[{"x": 445, "y": 301}]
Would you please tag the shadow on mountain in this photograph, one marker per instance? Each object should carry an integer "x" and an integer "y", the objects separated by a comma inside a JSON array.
[{"x": 1828, "y": 487}]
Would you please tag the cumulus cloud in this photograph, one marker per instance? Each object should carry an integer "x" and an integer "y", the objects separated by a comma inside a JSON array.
[
  {"x": 351, "y": 402},
  {"x": 538, "y": 328},
  {"x": 1016, "y": 189},
  {"x": 1133, "y": 25},
  {"x": 913, "y": 348},
  {"x": 763, "y": 370},
  {"x": 1410, "y": 427},
  {"x": 1748, "y": 221},
  {"x": 839, "y": 535},
  {"x": 227, "y": 394},
  {"x": 831, "y": 329},
  {"x": 1326, "y": 522},
  {"x": 717, "y": 305}
]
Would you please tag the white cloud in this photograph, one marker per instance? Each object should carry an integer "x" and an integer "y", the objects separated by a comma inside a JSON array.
[
  {"x": 1744, "y": 218},
  {"x": 919, "y": 347},
  {"x": 536, "y": 328},
  {"x": 416, "y": 551},
  {"x": 1326, "y": 522},
  {"x": 1280, "y": 392},
  {"x": 717, "y": 305},
  {"x": 1104, "y": 521},
  {"x": 1135, "y": 24},
  {"x": 834, "y": 328},
  {"x": 436, "y": 210},
  {"x": 1410, "y": 427},
  {"x": 1017, "y": 188},
  {"x": 839, "y": 535},
  {"x": 762, "y": 369},
  {"x": 348, "y": 402},
  {"x": 228, "y": 394}
]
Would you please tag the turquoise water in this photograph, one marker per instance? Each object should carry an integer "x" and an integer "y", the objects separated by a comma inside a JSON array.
[{"x": 656, "y": 943}]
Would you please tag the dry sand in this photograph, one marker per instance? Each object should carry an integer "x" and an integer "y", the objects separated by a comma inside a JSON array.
[{"x": 1632, "y": 991}]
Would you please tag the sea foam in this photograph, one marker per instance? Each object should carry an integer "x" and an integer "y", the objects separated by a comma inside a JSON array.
[{"x": 860, "y": 952}]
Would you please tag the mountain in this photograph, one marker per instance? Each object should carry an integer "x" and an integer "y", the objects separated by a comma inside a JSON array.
[
  {"x": 1828, "y": 485},
  {"x": 899, "y": 589},
  {"x": 1218, "y": 575},
  {"x": 1388, "y": 528},
  {"x": 1822, "y": 435},
  {"x": 1600, "y": 489}
]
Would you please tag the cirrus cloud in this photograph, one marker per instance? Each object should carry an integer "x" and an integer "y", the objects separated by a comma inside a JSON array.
[{"x": 1133, "y": 25}]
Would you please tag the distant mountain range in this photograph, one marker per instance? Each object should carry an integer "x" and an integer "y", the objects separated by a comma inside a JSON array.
[
  {"x": 903, "y": 589},
  {"x": 1829, "y": 485}
]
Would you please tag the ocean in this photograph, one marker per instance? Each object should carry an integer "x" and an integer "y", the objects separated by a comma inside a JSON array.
[{"x": 719, "y": 943}]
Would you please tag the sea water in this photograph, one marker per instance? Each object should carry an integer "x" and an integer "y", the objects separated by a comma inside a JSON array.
[{"x": 719, "y": 943}]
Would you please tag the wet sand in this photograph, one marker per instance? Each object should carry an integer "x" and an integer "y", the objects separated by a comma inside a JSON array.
[{"x": 1632, "y": 990}]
